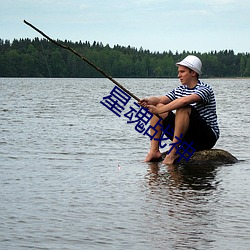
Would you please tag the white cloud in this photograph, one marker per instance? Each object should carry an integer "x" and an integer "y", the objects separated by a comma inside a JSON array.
[
  {"x": 83, "y": 6},
  {"x": 152, "y": 24},
  {"x": 221, "y": 2},
  {"x": 149, "y": 2}
]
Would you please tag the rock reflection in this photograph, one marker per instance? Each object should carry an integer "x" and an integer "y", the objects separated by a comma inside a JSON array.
[
  {"x": 187, "y": 177},
  {"x": 183, "y": 198}
]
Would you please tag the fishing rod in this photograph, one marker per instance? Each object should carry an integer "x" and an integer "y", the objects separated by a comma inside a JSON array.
[{"x": 84, "y": 59}]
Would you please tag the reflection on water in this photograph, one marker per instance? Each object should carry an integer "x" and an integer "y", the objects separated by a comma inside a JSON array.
[
  {"x": 61, "y": 187},
  {"x": 189, "y": 177},
  {"x": 184, "y": 195}
]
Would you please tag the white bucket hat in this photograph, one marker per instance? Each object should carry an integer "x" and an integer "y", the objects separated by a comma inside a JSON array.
[{"x": 191, "y": 62}]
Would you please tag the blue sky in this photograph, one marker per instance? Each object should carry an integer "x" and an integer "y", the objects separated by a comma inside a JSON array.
[{"x": 157, "y": 25}]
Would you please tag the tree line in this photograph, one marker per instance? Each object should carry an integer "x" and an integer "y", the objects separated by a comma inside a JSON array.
[{"x": 41, "y": 58}]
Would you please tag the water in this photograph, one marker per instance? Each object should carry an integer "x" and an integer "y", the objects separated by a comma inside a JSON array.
[{"x": 72, "y": 175}]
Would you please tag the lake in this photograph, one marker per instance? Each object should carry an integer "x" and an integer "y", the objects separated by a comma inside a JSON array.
[{"x": 72, "y": 173}]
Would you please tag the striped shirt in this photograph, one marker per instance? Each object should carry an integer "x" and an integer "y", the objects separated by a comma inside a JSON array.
[{"x": 206, "y": 108}]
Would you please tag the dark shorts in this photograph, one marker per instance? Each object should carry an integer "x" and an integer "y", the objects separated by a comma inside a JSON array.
[{"x": 198, "y": 132}]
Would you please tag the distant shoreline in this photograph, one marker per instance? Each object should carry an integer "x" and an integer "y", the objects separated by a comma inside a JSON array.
[{"x": 41, "y": 58}]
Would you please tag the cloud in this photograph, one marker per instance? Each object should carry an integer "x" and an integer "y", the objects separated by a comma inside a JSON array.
[
  {"x": 225, "y": 5},
  {"x": 83, "y": 6},
  {"x": 149, "y": 2},
  {"x": 152, "y": 24},
  {"x": 222, "y": 2}
]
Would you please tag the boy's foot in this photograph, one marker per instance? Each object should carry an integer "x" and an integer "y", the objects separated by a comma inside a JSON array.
[
  {"x": 170, "y": 159},
  {"x": 153, "y": 156}
]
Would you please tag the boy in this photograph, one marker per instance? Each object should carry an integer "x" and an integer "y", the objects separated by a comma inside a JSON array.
[{"x": 195, "y": 119}]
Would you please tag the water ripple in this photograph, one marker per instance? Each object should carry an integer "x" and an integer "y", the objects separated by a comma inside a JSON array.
[{"x": 72, "y": 175}]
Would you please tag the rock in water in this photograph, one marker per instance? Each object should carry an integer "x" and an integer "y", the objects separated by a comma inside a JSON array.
[{"x": 211, "y": 156}]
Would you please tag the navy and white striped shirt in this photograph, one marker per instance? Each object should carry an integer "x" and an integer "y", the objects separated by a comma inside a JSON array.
[{"x": 206, "y": 108}]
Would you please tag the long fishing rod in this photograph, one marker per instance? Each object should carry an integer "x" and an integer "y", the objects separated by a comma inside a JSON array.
[{"x": 84, "y": 59}]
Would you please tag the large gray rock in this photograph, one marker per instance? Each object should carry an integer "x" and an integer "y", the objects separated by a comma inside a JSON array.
[{"x": 207, "y": 157}]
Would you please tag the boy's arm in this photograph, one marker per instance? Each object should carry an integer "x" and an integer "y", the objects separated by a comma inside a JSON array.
[
  {"x": 176, "y": 104},
  {"x": 154, "y": 100}
]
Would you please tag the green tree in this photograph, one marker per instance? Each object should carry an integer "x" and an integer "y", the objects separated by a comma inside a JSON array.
[{"x": 247, "y": 69}]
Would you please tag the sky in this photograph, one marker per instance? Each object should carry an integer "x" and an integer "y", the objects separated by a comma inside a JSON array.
[{"x": 155, "y": 25}]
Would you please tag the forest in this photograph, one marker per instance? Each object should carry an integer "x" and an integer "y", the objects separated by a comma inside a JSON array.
[{"x": 41, "y": 58}]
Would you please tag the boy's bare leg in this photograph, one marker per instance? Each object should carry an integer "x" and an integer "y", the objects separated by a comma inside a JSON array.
[
  {"x": 181, "y": 127},
  {"x": 154, "y": 153}
]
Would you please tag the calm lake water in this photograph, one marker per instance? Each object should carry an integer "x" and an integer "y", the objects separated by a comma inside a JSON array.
[{"x": 72, "y": 174}]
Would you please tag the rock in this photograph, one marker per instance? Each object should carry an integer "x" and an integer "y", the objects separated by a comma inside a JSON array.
[{"x": 208, "y": 157}]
